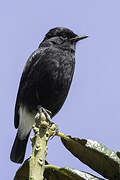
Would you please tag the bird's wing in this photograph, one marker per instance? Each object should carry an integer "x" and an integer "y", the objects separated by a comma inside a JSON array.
[
  {"x": 27, "y": 69},
  {"x": 36, "y": 62}
]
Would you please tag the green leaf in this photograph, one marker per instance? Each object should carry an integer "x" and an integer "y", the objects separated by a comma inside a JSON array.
[
  {"x": 55, "y": 173},
  {"x": 95, "y": 155},
  {"x": 23, "y": 172},
  {"x": 65, "y": 173}
]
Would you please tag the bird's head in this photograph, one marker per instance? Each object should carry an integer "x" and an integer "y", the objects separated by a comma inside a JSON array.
[{"x": 64, "y": 36}]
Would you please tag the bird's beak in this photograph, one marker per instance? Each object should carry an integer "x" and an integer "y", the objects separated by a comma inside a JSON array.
[{"x": 78, "y": 38}]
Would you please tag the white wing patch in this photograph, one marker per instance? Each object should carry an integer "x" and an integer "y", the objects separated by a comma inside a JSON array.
[{"x": 26, "y": 121}]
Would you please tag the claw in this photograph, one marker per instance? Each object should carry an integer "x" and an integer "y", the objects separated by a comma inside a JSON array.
[
  {"x": 54, "y": 129},
  {"x": 46, "y": 112}
]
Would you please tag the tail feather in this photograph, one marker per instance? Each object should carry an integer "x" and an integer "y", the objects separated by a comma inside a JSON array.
[{"x": 18, "y": 150}]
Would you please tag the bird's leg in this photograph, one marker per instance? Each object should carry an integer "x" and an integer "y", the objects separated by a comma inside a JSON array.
[
  {"x": 46, "y": 115},
  {"x": 46, "y": 112}
]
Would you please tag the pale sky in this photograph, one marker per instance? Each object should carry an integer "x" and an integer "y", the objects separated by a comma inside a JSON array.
[{"x": 92, "y": 109}]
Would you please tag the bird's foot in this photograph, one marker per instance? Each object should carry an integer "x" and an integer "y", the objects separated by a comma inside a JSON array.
[
  {"x": 45, "y": 116},
  {"x": 43, "y": 113},
  {"x": 42, "y": 119},
  {"x": 54, "y": 129}
]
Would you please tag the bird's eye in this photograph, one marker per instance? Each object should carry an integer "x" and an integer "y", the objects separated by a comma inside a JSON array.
[{"x": 64, "y": 35}]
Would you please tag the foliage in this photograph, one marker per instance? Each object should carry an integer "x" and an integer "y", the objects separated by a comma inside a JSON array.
[{"x": 97, "y": 156}]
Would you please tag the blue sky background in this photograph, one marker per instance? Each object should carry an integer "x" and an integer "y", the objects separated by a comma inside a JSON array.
[{"x": 92, "y": 109}]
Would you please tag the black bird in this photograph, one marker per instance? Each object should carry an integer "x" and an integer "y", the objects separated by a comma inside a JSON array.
[{"x": 45, "y": 81}]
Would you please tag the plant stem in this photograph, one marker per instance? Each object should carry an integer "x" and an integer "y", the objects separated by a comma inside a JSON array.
[{"x": 39, "y": 143}]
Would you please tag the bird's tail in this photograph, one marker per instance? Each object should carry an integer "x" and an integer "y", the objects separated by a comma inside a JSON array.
[{"x": 18, "y": 150}]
